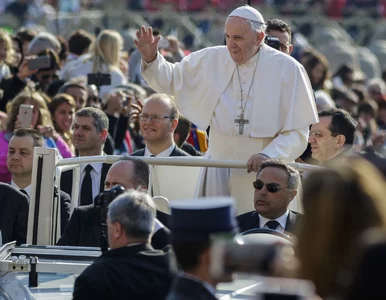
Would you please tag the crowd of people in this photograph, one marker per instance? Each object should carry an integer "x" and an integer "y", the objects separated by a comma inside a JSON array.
[{"x": 246, "y": 100}]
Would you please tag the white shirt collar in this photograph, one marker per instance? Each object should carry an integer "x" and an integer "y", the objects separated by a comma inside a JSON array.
[
  {"x": 165, "y": 153},
  {"x": 27, "y": 188},
  {"x": 282, "y": 220},
  {"x": 96, "y": 166}
]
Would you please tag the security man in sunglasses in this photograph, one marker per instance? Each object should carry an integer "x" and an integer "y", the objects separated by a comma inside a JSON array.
[{"x": 275, "y": 187}]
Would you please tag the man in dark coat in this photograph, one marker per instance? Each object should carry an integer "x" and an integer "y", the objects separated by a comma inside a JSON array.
[
  {"x": 13, "y": 214},
  {"x": 132, "y": 269},
  {"x": 84, "y": 226},
  {"x": 192, "y": 225},
  {"x": 275, "y": 187}
]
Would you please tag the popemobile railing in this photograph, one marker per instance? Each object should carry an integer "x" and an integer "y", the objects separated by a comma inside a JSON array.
[{"x": 44, "y": 212}]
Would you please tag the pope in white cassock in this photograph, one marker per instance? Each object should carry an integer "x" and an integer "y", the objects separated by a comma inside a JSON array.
[{"x": 257, "y": 101}]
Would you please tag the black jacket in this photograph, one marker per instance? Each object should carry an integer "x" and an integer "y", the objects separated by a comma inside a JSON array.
[
  {"x": 13, "y": 214},
  {"x": 176, "y": 152},
  {"x": 187, "y": 289},
  {"x": 251, "y": 220},
  {"x": 136, "y": 272},
  {"x": 84, "y": 229}
]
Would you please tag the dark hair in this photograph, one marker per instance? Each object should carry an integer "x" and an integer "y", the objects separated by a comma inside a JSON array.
[
  {"x": 292, "y": 173},
  {"x": 141, "y": 170},
  {"x": 33, "y": 133},
  {"x": 370, "y": 108},
  {"x": 341, "y": 123},
  {"x": 73, "y": 83},
  {"x": 79, "y": 41},
  {"x": 26, "y": 34},
  {"x": 101, "y": 121},
  {"x": 64, "y": 47},
  {"x": 309, "y": 65},
  {"x": 54, "y": 87},
  {"x": 188, "y": 253},
  {"x": 343, "y": 71},
  {"x": 279, "y": 25},
  {"x": 183, "y": 129}
]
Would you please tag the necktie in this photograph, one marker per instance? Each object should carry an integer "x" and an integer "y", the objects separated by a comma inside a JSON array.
[
  {"x": 272, "y": 224},
  {"x": 86, "y": 189}
]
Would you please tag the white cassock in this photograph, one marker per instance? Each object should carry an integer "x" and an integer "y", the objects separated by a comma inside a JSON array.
[{"x": 206, "y": 89}]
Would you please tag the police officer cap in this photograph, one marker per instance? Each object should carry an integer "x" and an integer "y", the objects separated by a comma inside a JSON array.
[
  {"x": 198, "y": 219},
  {"x": 249, "y": 13}
]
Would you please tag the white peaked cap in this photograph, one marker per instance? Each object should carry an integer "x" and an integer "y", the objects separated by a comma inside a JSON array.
[{"x": 249, "y": 13}]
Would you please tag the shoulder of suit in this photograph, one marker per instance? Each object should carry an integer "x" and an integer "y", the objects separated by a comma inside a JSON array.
[
  {"x": 139, "y": 152},
  {"x": 247, "y": 214}
]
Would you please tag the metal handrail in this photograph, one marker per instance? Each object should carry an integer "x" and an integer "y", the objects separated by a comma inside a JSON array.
[{"x": 174, "y": 161}]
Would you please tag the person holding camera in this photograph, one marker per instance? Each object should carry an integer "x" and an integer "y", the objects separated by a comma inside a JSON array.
[
  {"x": 280, "y": 30},
  {"x": 131, "y": 269},
  {"x": 84, "y": 227},
  {"x": 257, "y": 101}
]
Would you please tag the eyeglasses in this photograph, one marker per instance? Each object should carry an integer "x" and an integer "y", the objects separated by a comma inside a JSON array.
[
  {"x": 271, "y": 187},
  {"x": 155, "y": 118}
]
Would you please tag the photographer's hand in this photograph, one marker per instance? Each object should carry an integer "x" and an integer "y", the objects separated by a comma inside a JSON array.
[{"x": 24, "y": 71}]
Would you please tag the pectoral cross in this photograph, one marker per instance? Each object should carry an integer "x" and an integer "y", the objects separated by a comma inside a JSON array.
[{"x": 241, "y": 121}]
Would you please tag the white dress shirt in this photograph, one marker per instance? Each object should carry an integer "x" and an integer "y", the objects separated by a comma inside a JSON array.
[
  {"x": 165, "y": 153},
  {"x": 95, "y": 178},
  {"x": 282, "y": 220},
  {"x": 27, "y": 189}
]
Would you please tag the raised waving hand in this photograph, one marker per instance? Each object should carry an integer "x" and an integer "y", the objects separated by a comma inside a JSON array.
[{"x": 147, "y": 44}]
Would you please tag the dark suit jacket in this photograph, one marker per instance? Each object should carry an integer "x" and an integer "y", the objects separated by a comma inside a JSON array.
[
  {"x": 176, "y": 152},
  {"x": 13, "y": 214},
  {"x": 65, "y": 210},
  {"x": 136, "y": 272},
  {"x": 66, "y": 180},
  {"x": 187, "y": 289},
  {"x": 251, "y": 220},
  {"x": 84, "y": 229}
]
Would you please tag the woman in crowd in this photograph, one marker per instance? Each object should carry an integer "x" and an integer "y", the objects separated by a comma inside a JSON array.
[
  {"x": 41, "y": 120},
  {"x": 62, "y": 109},
  {"x": 339, "y": 205},
  {"x": 104, "y": 58},
  {"x": 6, "y": 54}
]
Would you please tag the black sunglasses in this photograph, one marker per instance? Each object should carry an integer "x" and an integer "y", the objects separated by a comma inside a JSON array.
[
  {"x": 271, "y": 187},
  {"x": 53, "y": 76}
]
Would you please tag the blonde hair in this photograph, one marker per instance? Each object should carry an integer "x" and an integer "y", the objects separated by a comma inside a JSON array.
[
  {"x": 106, "y": 51},
  {"x": 339, "y": 204},
  {"x": 5, "y": 39},
  {"x": 37, "y": 100}
]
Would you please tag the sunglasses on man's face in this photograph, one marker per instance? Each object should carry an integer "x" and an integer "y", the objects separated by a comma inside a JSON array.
[
  {"x": 271, "y": 187},
  {"x": 48, "y": 76}
]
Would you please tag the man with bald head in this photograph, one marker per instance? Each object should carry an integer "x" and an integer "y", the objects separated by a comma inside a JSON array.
[
  {"x": 158, "y": 120},
  {"x": 257, "y": 101},
  {"x": 83, "y": 228}
]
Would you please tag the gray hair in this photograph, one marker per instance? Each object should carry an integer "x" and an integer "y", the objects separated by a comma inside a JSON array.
[
  {"x": 42, "y": 41},
  {"x": 101, "y": 121},
  {"x": 292, "y": 173},
  {"x": 135, "y": 211}
]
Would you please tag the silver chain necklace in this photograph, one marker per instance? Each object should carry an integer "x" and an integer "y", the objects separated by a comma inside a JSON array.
[{"x": 241, "y": 121}]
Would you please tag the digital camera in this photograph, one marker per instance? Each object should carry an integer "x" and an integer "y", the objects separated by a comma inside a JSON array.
[{"x": 272, "y": 41}]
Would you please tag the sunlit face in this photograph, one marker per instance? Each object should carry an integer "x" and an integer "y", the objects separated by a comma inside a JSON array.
[
  {"x": 324, "y": 146},
  {"x": 63, "y": 117},
  {"x": 86, "y": 137},
  {"x": 157, "y": 130},
  {"x": 272, "y": 205},
  {"x": 120, "y": 173},
  {"x": 20, "y": 155},
  {"x": 242, "y": 41},
  {"x": 284, "y": 38},
  {"x": 79, "y": 95}
]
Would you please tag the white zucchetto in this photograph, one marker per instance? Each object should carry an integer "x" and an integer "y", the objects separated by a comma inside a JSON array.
[{"x": 249, "y": 13}]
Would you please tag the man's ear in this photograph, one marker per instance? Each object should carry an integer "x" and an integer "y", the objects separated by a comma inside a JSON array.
[
  {"x": 176, "y": 137},
  {"x": 205, "y": 257},
  {"x": 117, "y": 230},
  {"x": 292, "y": 194},
  {"x": 103, "y": 134},
  {"x": 260, "y": 37},
  {"x": 174, "y": 125},
  {"x": 291, "y": 47},
  {"x": 143, "y": 189},
  {"x": 341, "y": 140}
]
